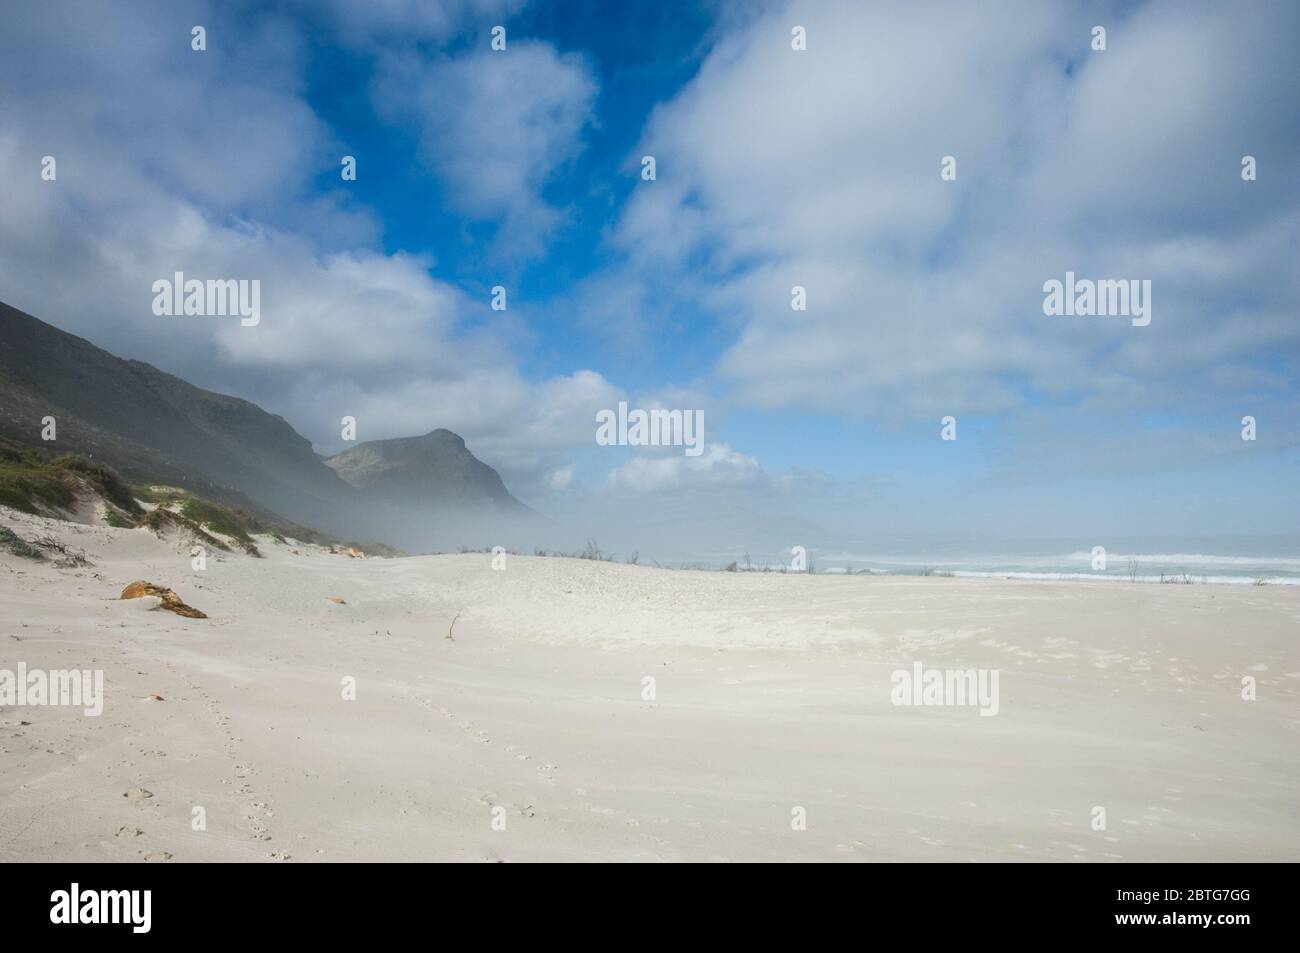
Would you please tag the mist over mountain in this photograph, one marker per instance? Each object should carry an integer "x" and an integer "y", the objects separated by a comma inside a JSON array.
[
  {"x": 431, "y": 492},
  {"x": 422, "y": 492},
  {"x": 436, "y": 468}
]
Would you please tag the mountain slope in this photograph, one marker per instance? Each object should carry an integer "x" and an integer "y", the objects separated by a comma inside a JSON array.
[
  {"x": 419, "y": 492},
  {"x": 436, "y": 469},
  {"x": 151, "y": 425}
]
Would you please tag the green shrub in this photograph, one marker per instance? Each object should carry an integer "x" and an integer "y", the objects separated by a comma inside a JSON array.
[{"x": 9, "y": 540}]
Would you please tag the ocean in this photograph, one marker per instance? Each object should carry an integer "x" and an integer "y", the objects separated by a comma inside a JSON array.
[{"x": 1222, "y": 560}]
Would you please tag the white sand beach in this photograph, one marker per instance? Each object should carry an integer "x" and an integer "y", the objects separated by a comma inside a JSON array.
[{"x": 771, "y": 693}]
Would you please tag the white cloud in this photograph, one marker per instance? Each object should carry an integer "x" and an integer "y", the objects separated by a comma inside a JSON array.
[
  {"x": 495, "y": 126},
  {"x": 717, "y": 466},
  {"x": 392, "y": 20},
  {"x": 821, "y": 169},
  {"x": 560, "y": 479}
]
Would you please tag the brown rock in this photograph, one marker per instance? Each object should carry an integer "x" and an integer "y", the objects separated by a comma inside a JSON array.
[{"x": 170, "y": 601}]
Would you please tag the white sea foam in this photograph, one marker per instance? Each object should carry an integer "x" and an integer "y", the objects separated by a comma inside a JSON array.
[
  {"x": 1113, "y": 577},
  {"x": 1146, "y": 566},
  {"x": 1194, "y": 559}
]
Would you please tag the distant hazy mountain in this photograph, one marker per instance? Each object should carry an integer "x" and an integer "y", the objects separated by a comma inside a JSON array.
[
  {"x": 152, "y": 426},
  {"x": 435, "y": 470}
]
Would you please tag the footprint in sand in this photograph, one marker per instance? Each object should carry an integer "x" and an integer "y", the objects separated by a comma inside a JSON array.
[{"x": 258, "y": 810}]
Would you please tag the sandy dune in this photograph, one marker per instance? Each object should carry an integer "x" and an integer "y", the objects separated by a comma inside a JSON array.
[{"x": 772, "y": 692}]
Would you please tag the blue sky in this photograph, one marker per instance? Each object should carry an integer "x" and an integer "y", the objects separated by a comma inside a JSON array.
[
  {"x": 636, "y": 59},
  {"x": 776, "y": 168}
]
